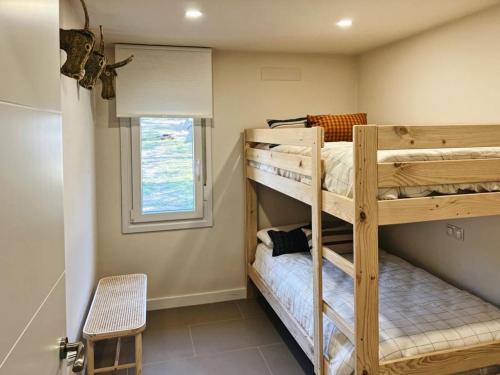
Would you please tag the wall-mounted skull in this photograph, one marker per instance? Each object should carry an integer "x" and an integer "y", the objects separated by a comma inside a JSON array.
[
  {"x": 108, "y": 78},
  {"x": 95, "y": 66},
  {"x": 78, "y": 44}
]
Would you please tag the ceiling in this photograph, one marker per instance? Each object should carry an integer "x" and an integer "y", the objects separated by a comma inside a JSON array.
[{"x": 274, "y": 25}]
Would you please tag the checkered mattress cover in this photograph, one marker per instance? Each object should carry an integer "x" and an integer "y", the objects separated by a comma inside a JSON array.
[
  {"x": 339, "y": 164},
  {"x": 419, "y": 313}
]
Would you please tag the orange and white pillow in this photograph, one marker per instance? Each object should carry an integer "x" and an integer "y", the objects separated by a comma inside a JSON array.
[{"x": 337, "y": 127}]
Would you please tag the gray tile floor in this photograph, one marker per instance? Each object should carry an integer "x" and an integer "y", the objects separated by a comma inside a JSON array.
[{"x": 229, "y": 338}]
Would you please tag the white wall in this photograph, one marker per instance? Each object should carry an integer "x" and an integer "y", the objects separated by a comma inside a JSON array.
[
  {"x": 447, "y": 75},
  {"x": 211, "y": 260},
  {"x": 79, "y": 187}
]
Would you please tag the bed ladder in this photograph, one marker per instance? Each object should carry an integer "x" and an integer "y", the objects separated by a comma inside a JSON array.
[{"x": 364, "y": 270}]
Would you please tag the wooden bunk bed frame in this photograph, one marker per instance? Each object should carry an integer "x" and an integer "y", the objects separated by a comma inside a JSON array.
[{"x": 367, "y": 213}]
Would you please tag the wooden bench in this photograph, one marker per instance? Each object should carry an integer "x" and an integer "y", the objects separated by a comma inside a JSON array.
[{"x": 118, "y": 310}]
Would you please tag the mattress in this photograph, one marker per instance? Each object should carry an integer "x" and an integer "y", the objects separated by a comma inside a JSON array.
[
  {"x": 419, "y": 313},
  {"x": 338, "y": 175}
]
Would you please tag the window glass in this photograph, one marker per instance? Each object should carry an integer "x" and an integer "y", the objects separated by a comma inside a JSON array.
[{"x": 167, "y": 165}]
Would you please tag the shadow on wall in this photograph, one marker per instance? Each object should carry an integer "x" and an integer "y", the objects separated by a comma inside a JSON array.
[
  {"x": 279, "y": 209},
  {"x": 210, "y": 245},
  {"x": 471, "y": 264},
  {"x": 178, "y": 262},
  {"x": 274, "y": 207}
]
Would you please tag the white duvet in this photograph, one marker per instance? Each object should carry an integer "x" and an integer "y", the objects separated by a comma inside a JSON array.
[
  {"x": 338, "y": 175},
  {"x": 419, "y": 313}
]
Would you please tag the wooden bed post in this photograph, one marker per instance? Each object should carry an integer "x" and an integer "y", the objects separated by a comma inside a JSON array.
[
  {"x": 317, "y": 248},
  {"x": 366, "y": 298},
  {"x": 251, "y": 223}
]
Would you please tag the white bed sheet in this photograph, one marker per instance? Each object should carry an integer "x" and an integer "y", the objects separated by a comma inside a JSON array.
[
  {"x": 338, "y": 176},
  {"x": 419, "y": 313}
]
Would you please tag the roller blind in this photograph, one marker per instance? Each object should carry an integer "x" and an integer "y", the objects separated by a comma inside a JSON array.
[{"x": 173, "y": 81}]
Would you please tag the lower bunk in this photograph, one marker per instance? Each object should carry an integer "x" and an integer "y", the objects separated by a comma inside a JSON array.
[{"x": 419, "y": 313}]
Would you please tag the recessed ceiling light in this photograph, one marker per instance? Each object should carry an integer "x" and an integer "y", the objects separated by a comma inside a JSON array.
[
  {"x": 345, "y": 23},
  {"x": 193, "y": 13}
]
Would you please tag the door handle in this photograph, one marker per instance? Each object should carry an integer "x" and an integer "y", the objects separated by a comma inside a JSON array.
[{"x": 73, "y": 352}]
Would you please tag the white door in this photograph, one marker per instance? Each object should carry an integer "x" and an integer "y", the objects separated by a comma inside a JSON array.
[{"x": 32, "y": 291}]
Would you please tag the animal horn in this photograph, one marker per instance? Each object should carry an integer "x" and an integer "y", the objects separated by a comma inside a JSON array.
[
  {"x": 87, "y": 19},
  {"x": 101, "y": 47},
  {"x": 121, "y": 63}
]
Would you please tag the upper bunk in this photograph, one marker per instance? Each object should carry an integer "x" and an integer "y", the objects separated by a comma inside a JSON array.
[{"x": 468, "y": 154}]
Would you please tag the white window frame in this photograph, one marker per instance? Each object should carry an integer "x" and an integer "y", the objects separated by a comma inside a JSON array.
[
  {"x": 133, "y": 220},
  {"x": 136, "y": 214}
]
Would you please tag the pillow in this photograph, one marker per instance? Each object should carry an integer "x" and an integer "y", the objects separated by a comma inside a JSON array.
[
  {"x": 300, "y": 122},
  {"x": 337, "y": 127},
  {"x": 263, "y": 236},
  {"x": 291, "y": 242},
  {"x": 329, "y": 234}
]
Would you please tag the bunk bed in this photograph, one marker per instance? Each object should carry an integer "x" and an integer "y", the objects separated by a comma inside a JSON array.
[{"x": 367, "y": 209}]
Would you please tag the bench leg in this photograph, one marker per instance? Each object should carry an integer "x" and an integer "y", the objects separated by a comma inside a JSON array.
[
  {"x": 90, "y": 357},
  {"x": 138, "y": 354}
]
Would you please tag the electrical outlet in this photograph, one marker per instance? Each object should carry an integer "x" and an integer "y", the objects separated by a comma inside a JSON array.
[{"x": 455, "y": 232}]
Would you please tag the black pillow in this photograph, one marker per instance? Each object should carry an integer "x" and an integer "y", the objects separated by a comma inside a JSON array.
[
  {"x": 300, "y": 122},
  {"x": 294, "y": 241}
]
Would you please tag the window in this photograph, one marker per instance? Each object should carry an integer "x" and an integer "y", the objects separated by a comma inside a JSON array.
[{"x": 165, "y": 173}]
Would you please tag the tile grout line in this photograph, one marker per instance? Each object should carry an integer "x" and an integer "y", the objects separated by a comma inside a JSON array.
[
  {"x": 265, "y": 360},
  {"x": 205, "y": 355},
  {"x": 170, "y": 359},
  {"x": 239, "y": 309},
  {"x": 272, "y": 344},
  {"x": 216, "y": 322},
  {"x": 240, "y": 317},
  {"x": 192, "y": 340},
  {"x": 232, "y": 350}
]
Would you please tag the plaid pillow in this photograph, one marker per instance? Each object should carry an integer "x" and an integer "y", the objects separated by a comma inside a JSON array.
[{"x": 337, "y": 127}]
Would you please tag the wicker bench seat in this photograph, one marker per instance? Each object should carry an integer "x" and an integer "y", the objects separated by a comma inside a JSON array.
[{"x": 118, "y": 310}]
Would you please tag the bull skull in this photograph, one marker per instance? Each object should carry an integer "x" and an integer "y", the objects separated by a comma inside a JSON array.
[
  {"x": 95, "y": 66},
  {"x": 78, "y": 44},
  {"x": 108, "y": 78}
]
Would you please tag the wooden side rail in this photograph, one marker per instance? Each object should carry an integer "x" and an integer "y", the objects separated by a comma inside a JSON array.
[
  {"x": 333, "y": 204},
  {"x": 293, "y": 136},
  {"x": 290, "y": 162},
  {"x": 344, "y": 326},
  {"x": 400, "y": 137},
  {"x": 338, "y": 261},
  {"x": 298, "y": 332},
  {"x": 412, "y": 210},
  {"x": 427, "y": 173},
  {"x": 445, "y": 362},
  {"x": 294, "y": 189}
]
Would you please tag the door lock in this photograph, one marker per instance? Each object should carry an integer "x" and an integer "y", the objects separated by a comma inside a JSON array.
[{"x": 73, "y": 353}]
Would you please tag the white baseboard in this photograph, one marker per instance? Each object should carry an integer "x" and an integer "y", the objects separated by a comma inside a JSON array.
[{"x": 161, "y": 303}]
